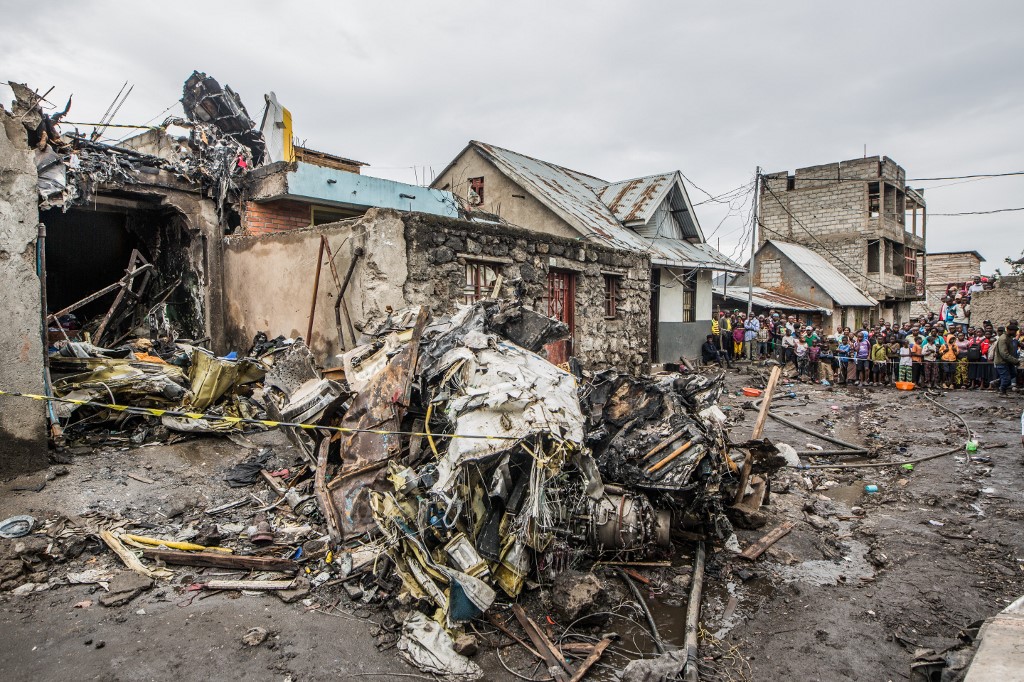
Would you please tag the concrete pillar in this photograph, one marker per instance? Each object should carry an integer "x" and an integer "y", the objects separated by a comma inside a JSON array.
[{"x": 23, "y": 437}]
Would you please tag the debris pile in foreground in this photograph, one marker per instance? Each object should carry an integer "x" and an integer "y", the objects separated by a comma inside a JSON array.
[{"x": 448, "y": 471}]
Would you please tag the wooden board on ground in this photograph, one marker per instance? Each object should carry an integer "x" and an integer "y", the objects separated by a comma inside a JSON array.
[{"x": 773, "y": 536}]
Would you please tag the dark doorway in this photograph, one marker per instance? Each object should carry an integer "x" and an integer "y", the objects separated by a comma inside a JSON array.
[
  {"x": 655, "y": 300},
  {"x": 88, "y": 250}
]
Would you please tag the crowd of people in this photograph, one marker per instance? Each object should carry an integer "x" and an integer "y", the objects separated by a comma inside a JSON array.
[{"x": 930, "y": 352}]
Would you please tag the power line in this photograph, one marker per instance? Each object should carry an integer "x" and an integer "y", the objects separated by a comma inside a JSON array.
[
  {"x": 997, "y": 210},
  {"x": 815, "y": 238}
]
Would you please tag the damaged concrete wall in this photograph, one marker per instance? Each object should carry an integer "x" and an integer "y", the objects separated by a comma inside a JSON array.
[
  {"x": 413, "y": 259},
  {"x": 439, "y": 248},
  {"x": 268, "y": 281},
  {"x": 1000, "y": 305},
  {"x": 22, "y": 422}
]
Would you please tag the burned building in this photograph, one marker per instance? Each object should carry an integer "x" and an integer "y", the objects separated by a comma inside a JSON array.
[{"x": 396, "y": 260}]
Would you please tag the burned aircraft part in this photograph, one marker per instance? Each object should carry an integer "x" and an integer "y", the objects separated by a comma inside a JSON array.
[
  {"x": 628, "y": 523},
  {"x": 206, "y": 101},
  {"x": 379, "y": 407}
]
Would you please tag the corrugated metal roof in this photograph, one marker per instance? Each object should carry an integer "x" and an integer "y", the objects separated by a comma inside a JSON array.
[
  {"x": 766, "y": 298},
  {"x": 837, "y": 285},
  {"x": 574, "y": 197},
  {"x": 683, "y": 254},
  {"x": 636, "y": 199}
]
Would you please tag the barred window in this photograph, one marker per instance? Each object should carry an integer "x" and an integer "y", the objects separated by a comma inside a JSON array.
[
  {"x": 480, "y": 280},
  {"x": 689, "y": 284},
  {"x": 611, "y": 296}
]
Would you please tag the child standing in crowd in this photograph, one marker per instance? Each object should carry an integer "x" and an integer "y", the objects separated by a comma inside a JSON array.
[
  {"x": 906, "y": 366},
  {"x": 862, "y": 351},
  {"x": 930, "y": 355},
  {"x": 917, "y": 357},
  {"x": 843, "y": 355},
  {"x": 947, "y": 352},
  {"x": 879, "y": 359},
  {"x": 799, "y": 354}
]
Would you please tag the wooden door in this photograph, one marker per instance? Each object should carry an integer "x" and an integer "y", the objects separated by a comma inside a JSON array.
[{"x": 562, "y": 307}]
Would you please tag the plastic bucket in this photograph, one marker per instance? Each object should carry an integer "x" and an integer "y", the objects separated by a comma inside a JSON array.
[{"x": 905, "y": 385}]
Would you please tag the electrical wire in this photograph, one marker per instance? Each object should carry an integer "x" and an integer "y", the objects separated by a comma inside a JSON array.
[{"x": 815, "y": 238}]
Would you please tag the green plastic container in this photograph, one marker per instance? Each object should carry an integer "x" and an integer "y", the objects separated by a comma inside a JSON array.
[{"x": 972, "y": 446}]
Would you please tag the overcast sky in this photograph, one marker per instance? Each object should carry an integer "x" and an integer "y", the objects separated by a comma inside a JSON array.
[{"x": 617, "y": 90}]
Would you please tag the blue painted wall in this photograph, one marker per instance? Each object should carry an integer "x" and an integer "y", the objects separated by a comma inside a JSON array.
[{"x": 363, "y": 191}]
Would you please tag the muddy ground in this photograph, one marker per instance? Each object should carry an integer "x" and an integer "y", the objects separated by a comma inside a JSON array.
[{"x": 861, "y": 582}]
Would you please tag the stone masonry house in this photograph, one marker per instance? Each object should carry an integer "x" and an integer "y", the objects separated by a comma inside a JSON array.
[
  {"x": 861, "y": 216},
  {"x": 406, "y": 259},
  {"x": 650, "y": 215}
]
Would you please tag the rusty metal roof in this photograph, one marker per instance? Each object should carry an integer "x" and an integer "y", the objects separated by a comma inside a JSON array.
[
  {"x": 766, "y": 298},
  {"x": 578, "y": 199},
  {"x": 636, "y": 199},
  {"x": 837, "y": 285}
]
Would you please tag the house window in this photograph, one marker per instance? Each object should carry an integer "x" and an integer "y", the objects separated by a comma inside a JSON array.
[
  {"x": 689, "y": 284},
  {"x": 321, "y": 215},
  {"x": 611, "y": 296},
  {"x": 873, "y": 255},
  {"x": 910, "y": 265},
  {"x": 480, "y": 280},
  {"x": 873, "y": 200},
  {"x": 476, "y": 191},
  {"x": 790, "y": 182}
]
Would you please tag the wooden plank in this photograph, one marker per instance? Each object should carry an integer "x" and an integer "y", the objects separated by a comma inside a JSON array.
[
  {"x": 665, "y": 443},
  {"x": 773, "y": 536},
  {"x": 762, "y": 417},
  {"x": 129, "y": 559},
  {"x": 496, "y": 623},
  {"x": 140, "y": 479},
  {"x": 591, "y": 659},
  {"x": 554, "y": 659},
  {"x": 216, "y": 560},
  {"x": 248, "y": 585}
]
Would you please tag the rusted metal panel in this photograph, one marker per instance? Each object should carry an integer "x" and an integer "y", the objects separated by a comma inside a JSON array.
[
  {"x": 581, "y": 200},
  {"x": 766, "y": 298},
  {"x": 364, "y": 456}
]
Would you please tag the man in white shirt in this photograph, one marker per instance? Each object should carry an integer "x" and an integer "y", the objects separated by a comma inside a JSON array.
[{"x": 977, "y": 286}]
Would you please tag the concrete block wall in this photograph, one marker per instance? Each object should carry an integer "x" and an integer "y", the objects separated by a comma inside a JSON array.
[
  {"x": 1003, "y": 303},
  {"x": 274, "y": 216}
]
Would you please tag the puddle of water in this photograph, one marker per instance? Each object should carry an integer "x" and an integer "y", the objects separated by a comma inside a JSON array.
[
  {"x": 850, "y": 495},
  {"x": 852, "y": 566}
]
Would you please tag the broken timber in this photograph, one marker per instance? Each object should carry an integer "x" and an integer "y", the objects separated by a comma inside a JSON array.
[
  {"x": 217, "y": 560},
  {"x": 773, "y": 536},
  {"x": 557, "y": 665},
  {"x": 762, "y": 417}
]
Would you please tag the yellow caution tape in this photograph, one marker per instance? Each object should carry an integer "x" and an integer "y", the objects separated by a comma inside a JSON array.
[{"x": 157, "y": 412}]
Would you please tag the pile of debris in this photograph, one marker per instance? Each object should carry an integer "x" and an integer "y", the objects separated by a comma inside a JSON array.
[
  {"x": 478, "y": 468},
  {"x": 446, "y": 469},
  {"x": 223, "y": 144}
]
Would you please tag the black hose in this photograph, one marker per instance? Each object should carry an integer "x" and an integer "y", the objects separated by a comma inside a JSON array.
[
  {"x": 659, "y": 644},
  {"x": 915, "y": 460}
]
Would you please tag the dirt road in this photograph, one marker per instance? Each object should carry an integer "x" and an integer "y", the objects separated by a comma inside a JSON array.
[{"x": 861, "y": 582}]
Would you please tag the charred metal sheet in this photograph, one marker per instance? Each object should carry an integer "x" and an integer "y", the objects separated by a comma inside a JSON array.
[{"x": 364, "y": 456}]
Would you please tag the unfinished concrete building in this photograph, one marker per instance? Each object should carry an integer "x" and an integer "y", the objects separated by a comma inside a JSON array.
[{"x": 862, "y": 217}]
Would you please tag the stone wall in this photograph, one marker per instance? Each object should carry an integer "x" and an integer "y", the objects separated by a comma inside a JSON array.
[
  {"x": 22, "y": 422},
  {"x": 419, "y": 259},
  {"x": 438, "y": 249},
  {"x": 1000, "y": 305}
]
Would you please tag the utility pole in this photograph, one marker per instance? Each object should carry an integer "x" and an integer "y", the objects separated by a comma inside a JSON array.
[{"x": 753, "y": 245}]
